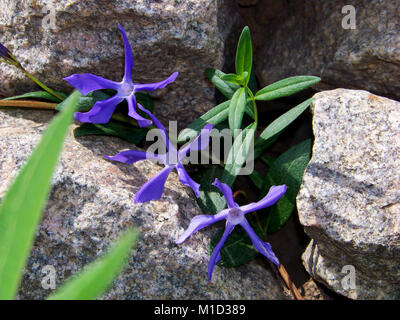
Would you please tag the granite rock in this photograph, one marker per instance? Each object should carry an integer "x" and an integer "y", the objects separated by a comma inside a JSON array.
[
  {"x": 91, "y": 202},
  {"x": 298, "y": 37},
  {"x": 166, "y": 36},
  {"x": 349, "y": 201}
]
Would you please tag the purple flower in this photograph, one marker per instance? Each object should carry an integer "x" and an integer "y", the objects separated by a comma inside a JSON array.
[
  {"x": 103, "y": 110},
  {"x": 235, "y": 215},
  {"x": 4, "y": 52},
  {"x": 173, "y": 158}
]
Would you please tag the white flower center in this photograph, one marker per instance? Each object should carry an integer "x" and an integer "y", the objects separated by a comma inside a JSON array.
[
  {"x": 235, "y": 216},
  {"x": 126, "y": 89}
]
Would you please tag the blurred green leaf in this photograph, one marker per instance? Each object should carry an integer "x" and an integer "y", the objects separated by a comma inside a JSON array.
[
  {"x": 236, "y": 110},
  {"x": 244, "y": 54},
  {"x": 287, "y": 169},
  {"x": 85, "y": 103},
  {"x": 112, "y": 128},
  {"x": 257, "y": 179},
  {"x": 42, "y": 95},
  {"x": 99, "y": 275},
  {"x": 286, "y": 87},
  {"x": 278, "y": 126},
  {"x": 239, "y": 153},
  {"x": 21, "y": 208},
  {"x": 226, "y": 88}
]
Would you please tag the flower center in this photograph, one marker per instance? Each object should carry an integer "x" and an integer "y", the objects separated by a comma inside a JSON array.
[
  {"x": 126, "y": 89},
  {"x": 235, "y": 216}
]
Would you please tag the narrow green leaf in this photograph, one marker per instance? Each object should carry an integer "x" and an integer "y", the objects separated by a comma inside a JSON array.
[
  {"x": 42, "y": 95},
  {"x": 244, "y": 54},
  {"x": 278, "y": 126},
  {"x": 21, "y": 208},
  {"x": 233, "y": 78},
  {"x": 240, "y": 151},
  {"x": 257, "y": 179},
  {"x": 99, "y": 275},
  {"x": 286, "y": 87},
  {"x": 287, "y": 169},
  {"x": 236, "y": 110},
  {"x": 85, "y": 103},
  {"x": 112, "y": 128},
  {"x": 226, "y": 88}
]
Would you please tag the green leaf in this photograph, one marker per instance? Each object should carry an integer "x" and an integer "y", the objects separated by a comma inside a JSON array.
[
  {"x": 210, "y": 201},
  {"x": 278, "y": 126},
  {"x": 226, "y": 88},
  {"x": 233, "y": 78},
  {"x": 42, "y": 95},
  {"x": 112, "y": 128},
  {"x": 244, "y": 54},
  {"x": 21, "y": 208},
  {"x": 257, "y": 179},
  {"x": 287, "y": 169},
  {"x": 99, "y": 275},
  {"x": 239, "y": 153},
  {"x": 236, "y": 110},
  {"x": 85, "y": 103},
  {"x": 237, "y": 250},
  {"x": 286, "y": 87},
  {"x": 145, "y": 100}
]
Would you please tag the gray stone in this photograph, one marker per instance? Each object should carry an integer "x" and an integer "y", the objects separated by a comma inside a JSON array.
[
  {"x": 349, "y": 201},
  {"x": 298, "y": 37},
  {"x": 91, "y": 201},
  {"x": 166, "y": 36}
]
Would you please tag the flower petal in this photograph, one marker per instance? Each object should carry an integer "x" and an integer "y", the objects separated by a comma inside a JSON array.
[
  {"x": 143, "y": 122},
  {"x": 131, "y": 156},
  {"x": 128, "y": 55},
  {"x": 263, "y": 247},
  {"x": 156, "y": 85},
  {"x": 216, "y": 256},
  {"x": 274, "y": 194},
  {"x": 87, "y": 82},
  {"x": 227, "y": 192},
  {"x": 187, "y": 180},
  {"x": 160, "y": 127},
  {"x": 199, "y": 143},
  {"x": 200, "y": 222},
  {"x": 101, "y": 112},
  {"x": 153, "y": 189}
]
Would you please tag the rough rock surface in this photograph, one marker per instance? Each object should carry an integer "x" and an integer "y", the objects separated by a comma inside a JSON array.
[
  {"x": 349, "y": 201},
  {"x": 92, "y": 201},
  {"x": 165, "y": 35},
  {"x": 297, "y": 37}
]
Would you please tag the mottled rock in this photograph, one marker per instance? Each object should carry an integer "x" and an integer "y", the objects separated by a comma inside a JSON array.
[
  {"x": 166, "y": 36},
  {"x": 311, "y": 291},
  {"x": 91, "y": 201},
  {"x": 297, "y": 37},
  {"x": 349, "y": 201}
]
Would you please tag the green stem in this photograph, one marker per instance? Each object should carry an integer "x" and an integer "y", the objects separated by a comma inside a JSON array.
[{"x": 40, "y": 84}]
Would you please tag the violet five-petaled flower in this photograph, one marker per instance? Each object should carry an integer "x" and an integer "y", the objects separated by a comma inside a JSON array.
[
  {"x": 235, "y": 215},
  {"x": 4, "y": 52},
  {"x": 173, "y": 158},
  {"x": 102, "y": 110}
]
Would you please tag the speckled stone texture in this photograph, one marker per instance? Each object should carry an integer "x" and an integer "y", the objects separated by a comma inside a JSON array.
[
  {"x": 91, "y": 201},
  {"x": 349, "y": 201},
  {"x": 166, "y": 36},
  {"x": 296, "y": 37}
]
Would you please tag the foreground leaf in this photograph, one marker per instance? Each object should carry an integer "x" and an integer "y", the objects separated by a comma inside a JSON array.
[
  {"x": 277, "y": 126},
  {"x": 21, "y": 208},
  {"x": 85, "y": 103},
  {"x": 286, "y": 87},
  {"x": 287, "y": 169},
  {"x": 244, "y": 54},
  {"x": 236, "y": 110},
  {"x": 100, "y": 274}
]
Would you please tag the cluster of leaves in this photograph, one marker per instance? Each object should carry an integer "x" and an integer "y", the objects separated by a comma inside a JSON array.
[
  {"x": 240, "y": 91},
  {"x": 21, "y": 210}
]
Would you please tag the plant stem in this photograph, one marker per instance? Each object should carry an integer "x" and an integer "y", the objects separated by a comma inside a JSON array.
[
  {"x": 28, "y": 104},
  {"x": 289, "y": 283},
  {"x": 43, "y": 86}
]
